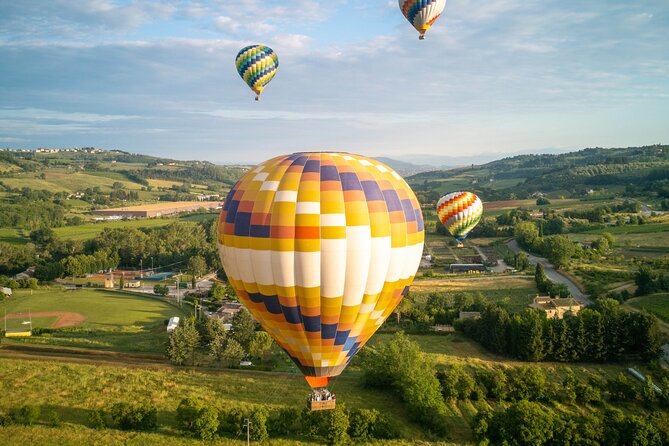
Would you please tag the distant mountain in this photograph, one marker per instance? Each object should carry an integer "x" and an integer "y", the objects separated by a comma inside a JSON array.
[{"x": 404, "y": 168}]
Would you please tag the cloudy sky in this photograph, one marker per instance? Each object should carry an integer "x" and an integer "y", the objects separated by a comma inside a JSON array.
[{"x": 498, "y": 77}]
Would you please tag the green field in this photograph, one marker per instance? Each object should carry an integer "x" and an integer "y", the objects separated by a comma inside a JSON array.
[
  {"x": 658, "y": 304},
  {"x": 90, "y": 230},
  {"x": 12, "y": 236},
  {"x": 114, "y": 321}
]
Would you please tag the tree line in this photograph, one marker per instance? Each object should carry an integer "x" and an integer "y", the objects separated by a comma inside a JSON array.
[{"x": 604, "y": 333}]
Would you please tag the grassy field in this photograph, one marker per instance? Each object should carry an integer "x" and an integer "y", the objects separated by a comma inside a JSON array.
[
  {"x": 514, "y": 293},
  {"x": 90, "y": 230},
  {"x": 114, "y": 321},
  {"x": 658, "y": 304},
  {"x": 12, "y": 236},
  {"x": 99, "y": 386}
]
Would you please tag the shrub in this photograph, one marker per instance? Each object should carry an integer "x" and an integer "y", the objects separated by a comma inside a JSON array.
[
  {"x": 194, "y": 417},
  {"x": 285, "y": 422},
  {"x": 135, "y": 417},
  {"x": 27, "y": 414},
  {"x": 96, "y": 419},
  {"x": 53, "y": 419}
]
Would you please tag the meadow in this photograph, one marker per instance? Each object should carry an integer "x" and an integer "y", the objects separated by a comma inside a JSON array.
[
  {"x": 113, "y": 321},
  {"x": 658, "y": 304}
]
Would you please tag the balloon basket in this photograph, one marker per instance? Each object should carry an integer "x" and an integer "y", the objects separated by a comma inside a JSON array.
[
  {"x": 421, "y": 37},
  {"x": 321, "y": 399},
  {"x": 321, "y": 405},
  {"x": 257, "y": 98},
  {"x": 461, "y": 245}
]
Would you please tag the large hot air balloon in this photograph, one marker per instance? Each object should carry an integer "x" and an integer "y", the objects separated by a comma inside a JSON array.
[
  {"x": 422, "y": 13},
  {"x": 321, "y": 247},
  {"x": 460, "y": 212},
  {"x": 257, "y": 65}
]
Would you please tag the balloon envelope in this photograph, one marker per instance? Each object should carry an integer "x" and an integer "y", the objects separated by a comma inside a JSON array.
[
  {"x": 422, "y": 13},
  {"x": 321, "y": 247},
  {"x": 257, "y": 65},
  {"x": 459, "y": 212}
]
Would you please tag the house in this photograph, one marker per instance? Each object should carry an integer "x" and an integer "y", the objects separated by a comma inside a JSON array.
[
  {"x": 467, "y": 268},
  {"x": 6, "y": 291},
  {"x": 470, "y": 315},
  {"x": 556, "y": 308},
  {"x": 227, "y": 311}
]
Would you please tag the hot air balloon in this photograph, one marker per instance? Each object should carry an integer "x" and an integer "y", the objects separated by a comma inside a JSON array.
[
  {"x": 257, "y": 65},
  {"x": 460, "y": 212},
  {"x": 422, "y": 13},
  {"x": 321, "y": 247}
]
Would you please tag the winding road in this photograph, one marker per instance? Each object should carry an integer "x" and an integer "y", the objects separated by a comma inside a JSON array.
[{"x": 552, "y": 273}]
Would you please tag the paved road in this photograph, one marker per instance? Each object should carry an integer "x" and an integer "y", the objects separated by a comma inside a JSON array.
[{"x": 553, "y": 274}]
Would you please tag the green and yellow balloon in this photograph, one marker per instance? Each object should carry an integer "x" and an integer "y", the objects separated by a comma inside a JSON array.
[{"x": 257, "y": 65}]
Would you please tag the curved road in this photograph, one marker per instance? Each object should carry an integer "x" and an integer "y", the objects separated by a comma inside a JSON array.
[{"x": 553, "y": 274}]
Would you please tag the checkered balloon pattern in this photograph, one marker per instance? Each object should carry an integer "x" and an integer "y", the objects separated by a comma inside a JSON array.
[
  {"x": 321, "y": 247},
  {"x": 460, "y": 212}
]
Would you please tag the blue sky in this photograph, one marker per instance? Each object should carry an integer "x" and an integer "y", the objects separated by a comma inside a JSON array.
[{"x": 495, "y": 77}]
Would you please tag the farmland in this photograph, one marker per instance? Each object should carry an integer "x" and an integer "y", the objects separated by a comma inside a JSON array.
[
  {"x": 657, "y": 304},
  {"x": 113, "y": 321}
]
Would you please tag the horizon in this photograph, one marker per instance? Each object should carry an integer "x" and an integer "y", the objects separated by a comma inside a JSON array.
[{"x": 158, "y": 78}]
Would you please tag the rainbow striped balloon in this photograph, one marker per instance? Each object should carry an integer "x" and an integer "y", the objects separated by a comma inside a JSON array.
[
  {"x": 321, "y": 247},
  {"x": 422, "y": 13},
  {"x": 257, "y": 65},
  {"x": 460, "y": 212}
]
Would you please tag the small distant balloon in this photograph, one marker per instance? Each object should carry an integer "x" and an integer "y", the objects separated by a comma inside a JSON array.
[
  {"x": 460, "y": 212},
  {"x": 422, "y": 13},
  {"x": 257, "y": 65}
]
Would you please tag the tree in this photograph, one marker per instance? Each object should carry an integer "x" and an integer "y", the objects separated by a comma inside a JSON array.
[
  {"x": 43, "y": 236},
  {"x": 559, "y": 250},
  {"x": 524, "y": 424},
  {"x": 141, "y": 417},
  {"x": 194, "y": 417},
  {"x": 526, "y": 233},
  {"x": 543, "y": 201},
  {"x": 521, "y": 261},
  {"x": 197, "y": 266},
  {"x": 260, "y": 344},
  {"x": 217, "y": 291},
  {"x": 258, "y": 420},
  {"x": 182, "y": 343},
  {"x": 121, "y": 282},
  {"x": 233, "y": 353},
  {"x": 243, "y": 328},
  {"x": 160, "y": 289},
  {"x": 540, "y": 278}
]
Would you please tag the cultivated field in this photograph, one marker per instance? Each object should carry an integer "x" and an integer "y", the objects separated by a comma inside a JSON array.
[
  {"x": 111, "y": 320},
  {"x": 658, "y": 304},
  {"x": 90, "y": 230}
]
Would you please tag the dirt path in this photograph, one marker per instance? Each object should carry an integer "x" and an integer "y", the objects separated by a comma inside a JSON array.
[{"x": 65, "y": 319}]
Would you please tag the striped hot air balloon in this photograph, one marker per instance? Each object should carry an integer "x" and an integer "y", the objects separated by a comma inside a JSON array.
[
  {"x": 460, "y": 212},
  {"x": 321, "y": 247},
  {"x": 257, "y": 65},
  {"x": 422, "y": 13}
]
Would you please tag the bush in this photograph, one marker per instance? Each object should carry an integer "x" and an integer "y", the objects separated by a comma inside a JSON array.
[
  {"x": 130, "y": 417},
  {"x": 97, "y": 419},
  {"x": 367, "y": 424},
  {"x": 330, "y": 425},
  {"x": 53, "y": 419},
  {"x": 194, "y": 417},
  {"x": 5, "y": 420},
  {"x": 285, "y": 422},
  {"x": 26, "y": 415}
]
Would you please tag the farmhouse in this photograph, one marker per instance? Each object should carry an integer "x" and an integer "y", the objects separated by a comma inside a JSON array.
[
  {"x": 556, "y": 308},
  {"x": 157, "y": 210}
]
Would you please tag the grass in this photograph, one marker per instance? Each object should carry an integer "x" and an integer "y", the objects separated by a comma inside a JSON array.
[
  {"x": 114, "y": 321},
  {"x": 658, "y": 304},
  {"x": 37, "y": 322},
  {"x": 514, "y": 293},
  {"x": 12, "y": 236},
  {"x": 90, "y": 230},
  {"x": 99, "y": 386}
]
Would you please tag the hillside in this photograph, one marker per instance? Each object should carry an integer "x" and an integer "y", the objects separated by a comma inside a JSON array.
[{"x": 634, "y": 171}]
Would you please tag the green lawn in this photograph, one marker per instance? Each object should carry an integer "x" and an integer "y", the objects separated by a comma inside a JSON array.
[
  {"x": 114, "y": 321},
  {"x": 658, "y": 304},
  {"x": 12, "y": 236}
]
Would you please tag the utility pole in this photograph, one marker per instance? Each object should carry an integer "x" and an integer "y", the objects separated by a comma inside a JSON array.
[
  {"x": 247, "y": 423},
  {"x": 178, "y": 300},
  {"x": 141, "y": 275},
  {"x": 152, "y": 270}
]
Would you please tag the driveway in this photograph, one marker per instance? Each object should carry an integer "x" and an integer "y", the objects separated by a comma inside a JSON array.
[{"x": 553, "y": 274}]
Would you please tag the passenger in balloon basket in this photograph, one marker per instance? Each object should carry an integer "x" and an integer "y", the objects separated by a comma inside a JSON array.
[{"x": 321, "y": 399}]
